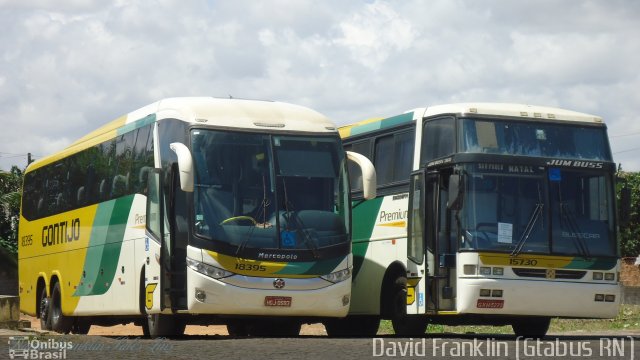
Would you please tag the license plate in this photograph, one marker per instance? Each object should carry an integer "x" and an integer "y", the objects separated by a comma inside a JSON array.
[
  {"x": 277, "y": 301},
  {"x": 490, "y": 304}
]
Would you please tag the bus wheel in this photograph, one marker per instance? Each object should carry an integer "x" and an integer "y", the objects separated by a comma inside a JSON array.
[
  {"x": 280, "y": 328},
  {"x": 80, "y": 327},
  {"x": 403, "y": 324},
  {"x": 237, "y": 328},
  {"x": 531, "y": 327},
  {"x": 353, "y": 326},
  {"x": 164, "y": 325},
  {"x": 45, "y": 315},
  {"x": 59, "y": 322}
]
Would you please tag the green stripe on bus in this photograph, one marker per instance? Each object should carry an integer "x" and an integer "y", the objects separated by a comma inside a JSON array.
[
  {"x": 103, "y": 252},
  {"x": 592, "y": 264},
  {"x": 364, "y": 221},
  {"x": 384, "y": 123},
  {"x": 311, "y": 268},
  {"x": 111, "y": 253},
  {"x": 149, "y": 119},
  {"x": 325, "y": 266}
]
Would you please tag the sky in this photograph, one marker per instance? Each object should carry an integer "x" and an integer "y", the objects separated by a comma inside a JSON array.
[{"x": 69, "y": 66}]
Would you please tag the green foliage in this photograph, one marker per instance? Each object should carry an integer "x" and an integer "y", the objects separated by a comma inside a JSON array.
[
  {"x": 628, "y": 318},
  {"x": 10, "y": 195},
  {"x": 630, "y": 233}
]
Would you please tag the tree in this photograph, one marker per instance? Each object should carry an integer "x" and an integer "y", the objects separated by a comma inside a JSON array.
[
  {"x": 630, "y": 233},
  {"x": 10, "y": 196}
]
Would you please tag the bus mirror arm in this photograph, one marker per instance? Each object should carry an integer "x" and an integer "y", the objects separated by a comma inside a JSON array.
[
  {"x": 369, "y": 182},
  {"x": 185, "y": 165},
  {"x": 455, "y": 192}
]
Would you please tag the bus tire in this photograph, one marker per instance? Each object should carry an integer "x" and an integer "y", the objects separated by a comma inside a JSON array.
[
  {"x": 278, "y": 328},
  {"x": 353, "y": 326},
  {"x": 143, "y": 311},
  {"x": 237, "y": 328},
  {"x": 405, "y": 325},
  {"x": 535, "y": 327},
  {"x": 44, "y": 307},
  {"x": 160, "y": 325},
  {"x": 81, "y": 327},
  {"x": 59, "y": 322}
]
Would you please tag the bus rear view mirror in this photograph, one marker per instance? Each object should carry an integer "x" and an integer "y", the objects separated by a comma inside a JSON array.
[
  {"x": 369, "y": 182},
  {"x": 185, "y": 165}
]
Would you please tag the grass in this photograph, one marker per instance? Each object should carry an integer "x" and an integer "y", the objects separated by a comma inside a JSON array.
[{"x": 628, "y": 319}]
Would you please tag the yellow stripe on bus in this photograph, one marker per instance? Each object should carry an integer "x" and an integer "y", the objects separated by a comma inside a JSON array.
[
  {"x": 345, "y": 131},
  {"x": 57, "y": 251},
  {"x": 395, "y": 224},
  {"x": 104, "y": 133},
  {"x": 447, "y": 313},
  {"x": 525, "y": 260}
]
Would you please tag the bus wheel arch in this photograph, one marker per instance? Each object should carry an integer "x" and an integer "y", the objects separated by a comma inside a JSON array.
[
  {"x": 59, "y": 322},
  {"x": 394, "y": 283},
  {"x": 43, "y": 304},
  {"x": 158, "y": 325}
]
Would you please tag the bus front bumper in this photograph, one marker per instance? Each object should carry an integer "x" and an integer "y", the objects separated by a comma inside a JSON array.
[
  {"x": 210, "y": 296},
  {"x": 538, "y": 298}
]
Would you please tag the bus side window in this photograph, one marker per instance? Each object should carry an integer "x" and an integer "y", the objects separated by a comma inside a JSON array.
[{"x": 438, "y": 139}]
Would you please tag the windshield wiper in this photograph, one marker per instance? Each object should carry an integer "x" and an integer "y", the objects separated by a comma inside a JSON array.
[
  {"x": 309, "y": 241},
  {"x": 572, "y": 225},
  {"x": 527, "y": 230},
  {"x": 567, "y": 218}
]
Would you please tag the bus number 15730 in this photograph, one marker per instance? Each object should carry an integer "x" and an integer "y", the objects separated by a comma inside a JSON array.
[{"x": 523, "y": 262}]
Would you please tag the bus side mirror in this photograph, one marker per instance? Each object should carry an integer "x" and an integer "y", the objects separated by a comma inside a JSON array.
[
  {"x": 625, "y": 206},
  {"x": 185, "y": 165},
  {"x": 369, "y": 182},
  {"x": 454, "y": 202}
]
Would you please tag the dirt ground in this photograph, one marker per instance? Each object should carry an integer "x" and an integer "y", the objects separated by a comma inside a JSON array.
[{"x": 133, "y": 330}]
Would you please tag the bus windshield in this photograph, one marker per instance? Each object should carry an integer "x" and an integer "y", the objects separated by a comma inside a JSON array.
[
  {"x": 534, "y": 139},
  {"x": 537, "y": 210},
  {"x": 269, "y": 191}
]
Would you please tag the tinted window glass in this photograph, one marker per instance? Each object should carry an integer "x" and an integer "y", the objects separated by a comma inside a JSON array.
[
  {"x": 438, "y": 139},
  {"x": 109, "y": 170},
  {"x": 384, "y": 159}
]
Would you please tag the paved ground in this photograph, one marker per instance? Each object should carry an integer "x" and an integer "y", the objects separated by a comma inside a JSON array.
[
  {"x": 320, "y": 347},
  {"x": 133, "y": 330},
  {"x": 125, "y": 342}
]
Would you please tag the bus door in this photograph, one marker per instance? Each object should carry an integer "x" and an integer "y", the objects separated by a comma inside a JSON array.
[
  {"x": 445, "y": 201},
  {"x": 156, "y": 279},
  {"x": 431, "y": 231}
]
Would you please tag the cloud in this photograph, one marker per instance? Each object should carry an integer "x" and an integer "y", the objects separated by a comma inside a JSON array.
[
  {"x": 67, "y": 67},
  {"x": 372, "y": 34}
]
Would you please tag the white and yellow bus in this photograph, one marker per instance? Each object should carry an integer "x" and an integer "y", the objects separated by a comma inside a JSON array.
[
  {"x": 498, "y": 214},
  {"x": 192, "y": 210}
]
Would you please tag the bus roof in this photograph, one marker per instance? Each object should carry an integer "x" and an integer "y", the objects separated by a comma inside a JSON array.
[
  {"x": 520, "y": 111},
  {"x": 257, "y": 115}
]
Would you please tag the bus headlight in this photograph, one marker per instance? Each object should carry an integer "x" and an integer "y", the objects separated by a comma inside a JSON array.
[
  {"x": 469, "y": 269},
  {"x": 597, "y": 276},
  {"x": 207, "y": 269},
  {"x": 338, "y": 276}
]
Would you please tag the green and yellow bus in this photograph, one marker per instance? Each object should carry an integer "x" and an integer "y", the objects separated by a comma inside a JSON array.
[
  {"x": 192, "y": 211},
  {"x": 486, "y": 213}
]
